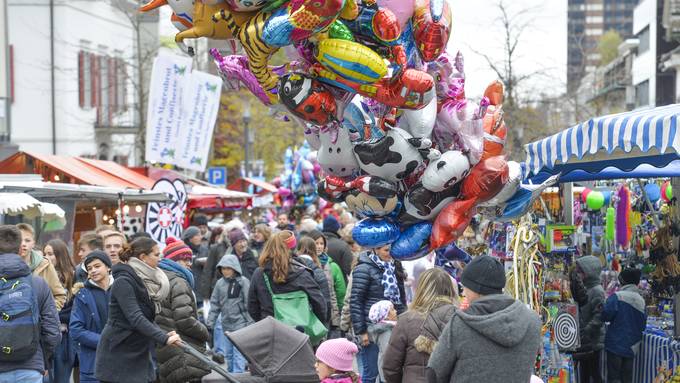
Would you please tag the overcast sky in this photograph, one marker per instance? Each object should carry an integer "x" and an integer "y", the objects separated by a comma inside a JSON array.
[{"x": 475, "y": 26}]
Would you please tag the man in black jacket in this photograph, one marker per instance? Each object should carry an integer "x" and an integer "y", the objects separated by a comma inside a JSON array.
[{"x": 338, "y": 249}]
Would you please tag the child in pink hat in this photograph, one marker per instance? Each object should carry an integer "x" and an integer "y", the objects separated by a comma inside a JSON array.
[{"x": 334, "y": 359}]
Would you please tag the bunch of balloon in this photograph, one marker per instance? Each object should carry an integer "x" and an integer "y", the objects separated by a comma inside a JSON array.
[{"x": 383, "y": 105}]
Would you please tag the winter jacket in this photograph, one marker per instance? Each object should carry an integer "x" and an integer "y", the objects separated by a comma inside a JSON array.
[
  {"x": 124, "y": 349},
  {"x": 299, "y": 278},
  {"x": 86, "y": 325},
  {"x": 345, "y": 314},
  {"x": 81, "y": 273},
  {"x": 230, "y": 298},
  {"x": 11, "y": 267},
  {"x": 179, "y": 313},
  {"x": 248, "y": 264},
  {"x": 380, "y": 334},
  {"x": 322, "y": 281},
  {"x": 210, "y": 277},
  {"x": 495, "y": 339},
  {"x": 625, "y": 312},
  {"x": 340, "y": 378},
  {"x": 413, "y": 340},
  {"x": 367, "y": 289},
  {"x": 197, "y": 268},
  {"x": 340, "y": 251},
  {"x": 336, "y": 283},
  {"x": 42, "y": 267},
  {"x": 591, "y": 328}
]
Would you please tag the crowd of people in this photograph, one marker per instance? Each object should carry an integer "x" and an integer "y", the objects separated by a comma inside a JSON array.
[{"x": 120, "y": 314}]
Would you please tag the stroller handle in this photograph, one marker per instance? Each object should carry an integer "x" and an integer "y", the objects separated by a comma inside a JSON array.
[{"x": 218, "y": 368}]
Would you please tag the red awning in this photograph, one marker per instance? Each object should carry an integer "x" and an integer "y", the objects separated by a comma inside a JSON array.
[
  {"x": 240, "y": 184},
  {"x": 75, "y": 170}
]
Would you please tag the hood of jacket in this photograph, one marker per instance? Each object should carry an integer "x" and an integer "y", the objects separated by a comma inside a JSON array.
[
  {"x": 123, "y": 270},
  {"x": 432, "y": 327},
  {"x": 499, "y": 318},
  {"x": 591, "y": 267},
  {"x": 174, "y": 267},
  {"x": 230, "y": 261},
  {"x": 294, "y": 270},
  {"x": 13, "y": 266},
  {"x": 363, "y": 258},
  {"x": 37, "y": 261}
]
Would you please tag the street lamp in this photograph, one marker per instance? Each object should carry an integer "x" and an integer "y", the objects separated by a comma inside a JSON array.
[{"x": 246, "y": 131}]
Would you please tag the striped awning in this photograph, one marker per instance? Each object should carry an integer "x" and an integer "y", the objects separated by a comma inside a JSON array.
[{"x": 623, "y": 140}]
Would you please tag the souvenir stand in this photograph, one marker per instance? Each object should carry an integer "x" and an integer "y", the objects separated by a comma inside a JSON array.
[{"x": 642, "y": 144}]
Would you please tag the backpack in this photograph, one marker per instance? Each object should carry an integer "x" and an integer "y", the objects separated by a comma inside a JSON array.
[{"x": 19, "y": 319}]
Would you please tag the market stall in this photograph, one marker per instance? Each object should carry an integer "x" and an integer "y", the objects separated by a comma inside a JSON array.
[{"x": 621, "y": 220}]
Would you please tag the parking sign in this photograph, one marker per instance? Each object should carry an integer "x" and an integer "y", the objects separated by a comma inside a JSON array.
[{"x": 217, "y": 176}]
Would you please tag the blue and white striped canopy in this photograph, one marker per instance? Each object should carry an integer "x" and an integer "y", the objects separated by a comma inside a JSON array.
[{"x": 623, "y": 140}]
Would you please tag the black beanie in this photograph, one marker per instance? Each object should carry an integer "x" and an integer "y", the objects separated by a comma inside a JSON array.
[
  {"x": 485, "y": 275},
  {"x": 100, "y": 255},
  {"x": 630, "y": 276}
]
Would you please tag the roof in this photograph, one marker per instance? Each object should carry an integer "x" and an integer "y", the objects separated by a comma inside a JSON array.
[
  {"x": 239, "y": 184},
  {"x": 40, "y": 190},
  {"x": 80, "y": 170},
  {"x": 623, "y": 140}
]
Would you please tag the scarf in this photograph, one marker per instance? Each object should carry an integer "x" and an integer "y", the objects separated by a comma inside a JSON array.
[
  {"x": 323, "y": 258},
  {"x": 170, "y": 265},
  {"x": 389, "y": 278},
  {"x": 155, "y": 280},
  {"x": 36, "y": 260}
]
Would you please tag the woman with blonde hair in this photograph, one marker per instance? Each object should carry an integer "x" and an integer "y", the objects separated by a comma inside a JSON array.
[
  {"x": 417, "y": 330},
  {"x": 284, "y": 275}
]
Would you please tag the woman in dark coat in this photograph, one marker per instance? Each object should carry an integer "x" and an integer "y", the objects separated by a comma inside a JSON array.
[
  {"x": 417, "y": 330},
  {"x": 376, "y": 277},
  {"x": 179, "y": 313},
  {"x": 285, "y": 275},
  {"x": 125, "y": 345}
]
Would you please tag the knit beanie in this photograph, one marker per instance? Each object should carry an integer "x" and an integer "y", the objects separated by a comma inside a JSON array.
[
  {"x": 337, "y": 354},
  {"x": 485, "y": 275},
  {"x": 176, "y": 250},
  {"x": 100, "y": 255},
  {"x": 190, "y": 232},
  {"x": 330, "y": 224},
  {"x": 200, "y": 220},
  {"x": 630, "y": 276},
  {"x": 236, "y": 235},
  {"x": 379, "y": 311}
]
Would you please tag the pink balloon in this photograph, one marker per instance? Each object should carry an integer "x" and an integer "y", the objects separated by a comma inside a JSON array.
[
  {"x": 284, "y": 192},
  {"x": 403, "y": 9}
]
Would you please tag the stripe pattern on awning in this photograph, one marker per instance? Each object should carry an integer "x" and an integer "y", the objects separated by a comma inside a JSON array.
[{"x": 639, "y": 130}]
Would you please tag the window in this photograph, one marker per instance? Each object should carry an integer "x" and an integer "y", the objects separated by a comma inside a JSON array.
[
  {"x": 643, "y": 36},
  {"x": 642, "y": 94},
  {"x": 102, "y": 84}
]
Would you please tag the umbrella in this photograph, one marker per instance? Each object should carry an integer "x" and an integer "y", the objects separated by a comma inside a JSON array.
[
  {"x": 276, "y": 353},
  {"x": 29, "y": 207}
]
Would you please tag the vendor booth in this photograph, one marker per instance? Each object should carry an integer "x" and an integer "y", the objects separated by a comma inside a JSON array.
[{"x": 642, "y": 144}]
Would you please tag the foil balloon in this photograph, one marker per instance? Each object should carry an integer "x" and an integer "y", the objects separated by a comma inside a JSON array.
[
  {"x": 368, "y": 196},
  {"x": 373, "y": 233},
  {"x": 412, "y": 243},
  {"x": 510, "y": 188},
  {"x": 263, "y": 34},
  {"x": 420, "y": 122},
  {"x": 353, "y": 61},
  {"x": 431, "y": 35},
  {"x": 412, "y": 89},
  {"x": 653, "y": 192},
  {"x": 421, "y": 204},
  {"x": 522, "y": 201},
  {"x": 312, "y": 135},
  {"x": 452, "y": 222},
  {"x": 307, "y": 99},
  {"x": 393, "y": 157},
  {"x": 335, "y": 153},
  {"x": 403, "y": 10},
  {"x": 452, "y": 167},
  {"x": 204, "y": 26},
  {"x": 495, "y": 132},
  {"x": 183, "y": 10},
  {"x": 453, "y": 253},
  {"x": 486, "y": 179},
  {"x": 360, "y": 121}
]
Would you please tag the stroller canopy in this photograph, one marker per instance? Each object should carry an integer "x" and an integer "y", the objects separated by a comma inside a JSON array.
[{"x": 276, "y": 353}]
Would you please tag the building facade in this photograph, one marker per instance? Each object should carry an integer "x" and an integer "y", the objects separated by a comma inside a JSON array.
[
  {"x": 587, "y": 21},
  {"x": 79, "y": 74}
]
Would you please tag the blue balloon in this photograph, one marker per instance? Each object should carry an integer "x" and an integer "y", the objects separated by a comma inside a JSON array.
[
  {"x": 653, "y": 192},
  {"x": 607, "y": 197},
  {"x": 371, "y": 232},
  {"x": 413, "y": 242},
  {"x": 518, "y": 205},
  {"x": 453, "y": 253}
]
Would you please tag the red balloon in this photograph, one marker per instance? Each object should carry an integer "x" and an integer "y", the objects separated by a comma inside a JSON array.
[
  {"x": 495, "y": 132},
  {"x": 452, "y": 222},
  {"x": 584, "y": 194},
  {"x": 664, "y": 188},
  {"x": 486, "y": 179}
]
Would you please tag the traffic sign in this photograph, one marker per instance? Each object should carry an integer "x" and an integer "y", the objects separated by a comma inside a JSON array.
[{"x": 217, "y": 175}]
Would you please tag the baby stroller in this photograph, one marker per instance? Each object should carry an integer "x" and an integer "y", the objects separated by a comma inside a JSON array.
[{"x": 276, "y": 353}]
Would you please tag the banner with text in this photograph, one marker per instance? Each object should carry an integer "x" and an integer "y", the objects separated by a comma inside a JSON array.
[
  {"x": 200, "y": 105},
  {"x": 164, "y": 115}
]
